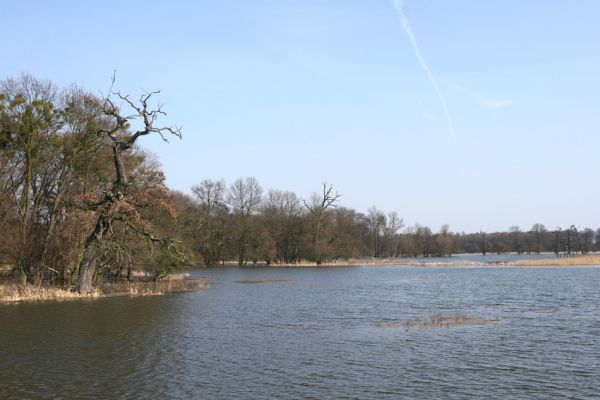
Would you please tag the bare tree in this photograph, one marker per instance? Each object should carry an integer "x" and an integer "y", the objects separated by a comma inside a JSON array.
[
  {"x": 316, "y": 207},
  {"x": 393, "y": 224},
  {"x": 117, "y": 203},
  {"x": 281, "y": 212},
  {"x": 376, "y": 221},
  {"x": 245, "y": 196},
  {"x": 444, "y": 241},
  {"x": 210, "y": 237},
  {"x": 517, "y": 239},
  {"x": 483, "y": 242},
  {"x": 538, "y": 231}
]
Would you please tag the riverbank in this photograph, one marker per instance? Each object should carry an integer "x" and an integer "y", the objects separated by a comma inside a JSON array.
[{"x": 11, "y": 292}]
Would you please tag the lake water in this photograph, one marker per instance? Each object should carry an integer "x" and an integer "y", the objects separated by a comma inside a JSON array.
[{"x": 317, "y": 333}]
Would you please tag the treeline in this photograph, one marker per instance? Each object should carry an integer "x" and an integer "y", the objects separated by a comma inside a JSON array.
[
  {"x": 241, "y": 222},
  {"x": 81, "y": 201}
]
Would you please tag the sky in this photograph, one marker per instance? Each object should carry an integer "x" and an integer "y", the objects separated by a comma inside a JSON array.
[{"x": 477, "y": 114}]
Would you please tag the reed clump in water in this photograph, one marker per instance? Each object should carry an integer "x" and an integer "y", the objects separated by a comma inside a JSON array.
[
  {"x": 446, "y": 321},
  {"x": 150, "y": 288},
  {"x": 16, "y": 293}
]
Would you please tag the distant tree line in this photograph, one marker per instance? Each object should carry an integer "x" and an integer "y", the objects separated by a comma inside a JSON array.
[
  {"x": 81, "y": 201},
  {"x": 243, "y": 222}
]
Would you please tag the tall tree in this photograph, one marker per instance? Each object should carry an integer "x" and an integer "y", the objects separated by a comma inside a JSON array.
[
  {"x": 538, "y": 231},
  {"x": 28, "y": 121},
  {"x": 317, "y": 206},
  {"x": 210, "y": 231},
  {"x": 376, "y": 221},
  {"x": 282, "y": 217},
  {"x": 444, "y": 241},
  {"x": 245, "y": 196},
  {"x": 118, "y": 202},
  {"x": 390, "y": 240}
]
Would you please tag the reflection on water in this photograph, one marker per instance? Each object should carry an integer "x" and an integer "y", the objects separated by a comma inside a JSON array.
[{"x": 314, "y": 333}]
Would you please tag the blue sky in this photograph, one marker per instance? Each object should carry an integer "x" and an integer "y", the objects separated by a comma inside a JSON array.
[{"x": 296, "y": 92}]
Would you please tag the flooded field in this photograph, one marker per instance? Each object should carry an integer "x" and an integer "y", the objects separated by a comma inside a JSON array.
[{"x": 347, "y": 332}]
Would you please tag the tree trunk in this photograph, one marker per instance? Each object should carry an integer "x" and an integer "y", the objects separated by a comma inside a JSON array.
[
  {"x": 86, "y": 269},
  {"x": 87, "y": 266}
]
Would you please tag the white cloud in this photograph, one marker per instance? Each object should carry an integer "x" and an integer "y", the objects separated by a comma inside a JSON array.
[
  {"x": 483, "y": 100},
  {"x": 496, "y": 104},
  {"x": 399, "y": 6}
]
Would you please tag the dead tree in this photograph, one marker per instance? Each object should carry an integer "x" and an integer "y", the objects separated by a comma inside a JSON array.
[{"x": 116, "y": 203}]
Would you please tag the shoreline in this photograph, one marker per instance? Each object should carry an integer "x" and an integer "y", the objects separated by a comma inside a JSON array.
[
  {"x": 576, "y": 261},
  {"x": 12, "y": 292}
]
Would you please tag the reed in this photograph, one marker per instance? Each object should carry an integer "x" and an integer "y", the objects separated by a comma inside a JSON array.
[
  {"x": 559, "y": 262},
  {"x": 14, "y": 293},
  {"x": 443, "y": 321}
]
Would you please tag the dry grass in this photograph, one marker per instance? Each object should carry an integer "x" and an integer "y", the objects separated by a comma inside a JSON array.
[
  {"x": 436, "y": 321},
  {"x": 13, "y": 293},
  {"x": 264, "y": 281},
  {"x": 559, "y": 262},
  {"x": 16, "y": 293}
]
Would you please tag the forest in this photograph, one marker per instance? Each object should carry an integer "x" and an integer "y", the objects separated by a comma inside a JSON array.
[{"x": 81, "y": 201}]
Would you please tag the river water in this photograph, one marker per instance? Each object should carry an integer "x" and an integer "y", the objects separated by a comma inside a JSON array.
[{"x": 317, "y": 333}]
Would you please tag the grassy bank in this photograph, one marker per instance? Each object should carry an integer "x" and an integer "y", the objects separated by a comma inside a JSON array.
[{"x": 11, "y": 292}]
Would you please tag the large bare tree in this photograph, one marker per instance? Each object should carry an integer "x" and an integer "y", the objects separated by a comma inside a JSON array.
[{"x": 121, "y": 126}]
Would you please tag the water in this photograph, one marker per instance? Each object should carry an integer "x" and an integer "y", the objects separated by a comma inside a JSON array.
[{"x": 317, "y": 333}]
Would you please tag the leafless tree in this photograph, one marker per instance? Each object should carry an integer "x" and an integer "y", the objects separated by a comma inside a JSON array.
[
  {"x": 281, "y": 212},
  {"x": 245, "y": 196},
  {"x": 316, "y": 207},
  {"x": 210, "y": 230},
  {"x": 118, "y": 133}
]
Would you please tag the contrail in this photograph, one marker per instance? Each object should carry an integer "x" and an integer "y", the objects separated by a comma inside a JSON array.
[{"x": 399, "y": 6}]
